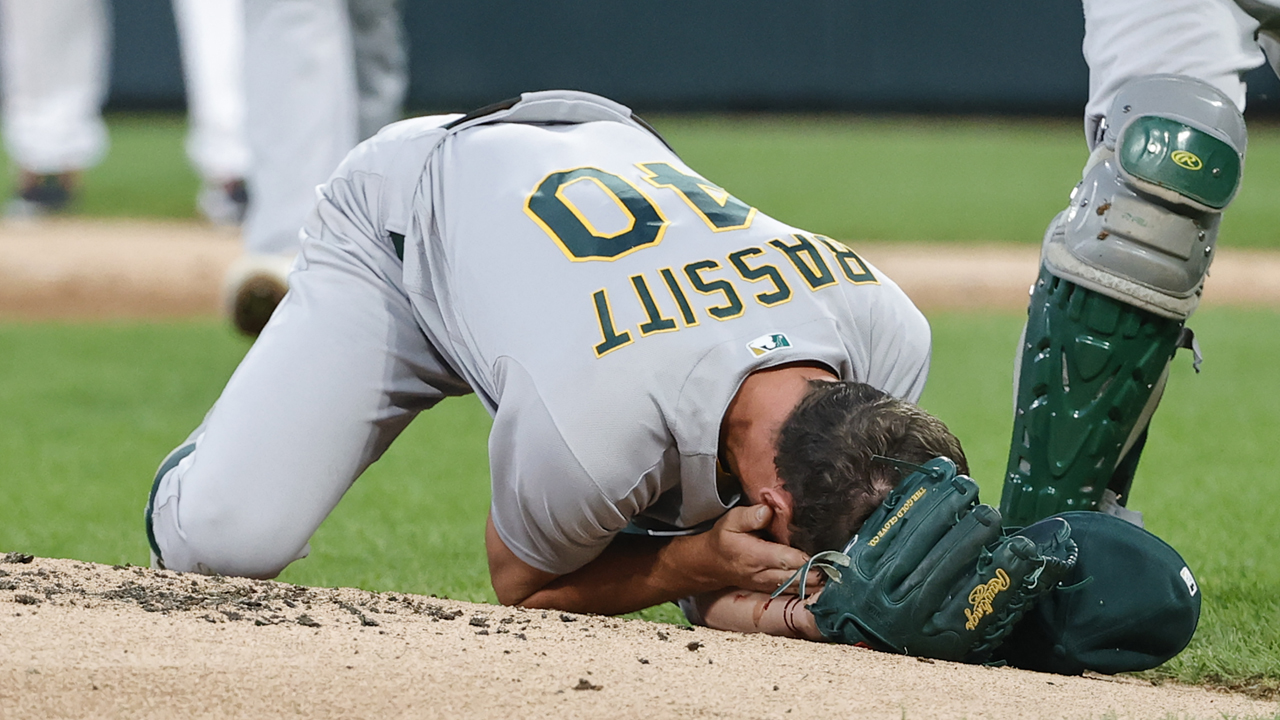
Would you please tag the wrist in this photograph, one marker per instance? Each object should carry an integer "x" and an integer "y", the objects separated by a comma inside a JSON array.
[
  {"x": 681, "y": 567},
  {"x": 800, "y": 620}
]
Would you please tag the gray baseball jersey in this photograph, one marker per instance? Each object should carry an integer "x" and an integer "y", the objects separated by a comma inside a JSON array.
[
  {"x": 605, "y": 301},
  {"x": 601, "y": 298}
]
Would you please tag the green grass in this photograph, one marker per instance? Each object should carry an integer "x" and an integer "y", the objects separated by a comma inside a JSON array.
[
  {"x": 88, "y": 412},
  {"x": 850, "y": 177},
  {"x": 944, "y": 179},
  {"x": 91, "y": 408}
]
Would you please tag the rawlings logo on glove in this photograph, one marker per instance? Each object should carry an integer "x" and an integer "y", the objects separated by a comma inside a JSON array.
[{"x": 982, "y": 596}]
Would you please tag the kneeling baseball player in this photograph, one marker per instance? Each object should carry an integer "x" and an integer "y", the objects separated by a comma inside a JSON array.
[{"x": 690, "y": 399}]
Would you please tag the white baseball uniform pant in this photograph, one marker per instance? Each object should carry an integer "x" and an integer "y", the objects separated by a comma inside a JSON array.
[
  {"x": 1211, "y": 40},
  {"x": 339, "y": 371},
  {"x": 55, "y": 65},
  {"x": 321, "y": 75},
  {"x": 56, "y": 62}
]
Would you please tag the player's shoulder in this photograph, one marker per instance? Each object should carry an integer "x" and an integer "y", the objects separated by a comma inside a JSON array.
[
  {"x": 399, "y": 138},
  {"x": 415, "y": 127}
]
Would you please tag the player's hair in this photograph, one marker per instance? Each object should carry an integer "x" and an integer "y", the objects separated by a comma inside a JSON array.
[{"x": 824, "y": 457}]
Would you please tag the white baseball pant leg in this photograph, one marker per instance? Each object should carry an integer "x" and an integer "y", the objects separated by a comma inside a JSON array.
[
  {"x": 56, "y": 61},
  {"x": 335, "y": 376},
  {"x": 1210, "y": 40},
  {"x": 382, "y": 62},
  {"x": 301, "y": 112},
  {"x": 211, "y": 37}
]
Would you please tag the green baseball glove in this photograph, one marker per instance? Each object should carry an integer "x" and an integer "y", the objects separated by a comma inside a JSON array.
[{"x": 931, "y": 575}]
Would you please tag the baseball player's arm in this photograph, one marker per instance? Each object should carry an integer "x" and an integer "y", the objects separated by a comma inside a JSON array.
[
  {"x": 747, "y": 611},
  {"x": 636, "y": 572}
]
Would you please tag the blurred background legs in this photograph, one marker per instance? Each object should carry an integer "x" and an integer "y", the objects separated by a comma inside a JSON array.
[
  {"x": 211, "y": 34},
  {"x": 320, "y": 75},
  {"x": 55, "y": 69}
]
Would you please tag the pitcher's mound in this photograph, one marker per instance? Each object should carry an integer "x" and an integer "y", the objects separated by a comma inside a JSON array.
[{"x": 79, "y": 640}]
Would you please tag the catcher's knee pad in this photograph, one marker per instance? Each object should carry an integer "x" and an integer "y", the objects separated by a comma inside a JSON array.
[
  {"x": 1142, "y": 223},
  {"x": 1122, "y": 269}
]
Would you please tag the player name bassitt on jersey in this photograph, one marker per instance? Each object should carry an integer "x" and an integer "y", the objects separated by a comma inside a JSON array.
[
  {"x": 605, "y": 301},
  {"x": 621, "y": 254}
]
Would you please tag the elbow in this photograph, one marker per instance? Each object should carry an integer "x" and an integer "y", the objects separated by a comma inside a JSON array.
[
  {"x": 517, "y": 584},
  {"x": 514, "y": 581},
  {"x": 509, "y": 596}
]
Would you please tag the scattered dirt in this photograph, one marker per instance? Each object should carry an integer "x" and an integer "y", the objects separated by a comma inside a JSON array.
[
  {"x": 85, "y": 269},
  {"x": 80, "y": 640}
]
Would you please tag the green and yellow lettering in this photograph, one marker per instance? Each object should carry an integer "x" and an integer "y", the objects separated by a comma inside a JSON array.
[
  {"x": 854, "y": 269},
  {"x": 682, "y": 300},
  {"x": 612, "y": 338},
  {"x": 656, "y": 323},
  {"x": 717, "y": 208},
  {"x": 575, "y": 234},
  {"x": 733, "y": 304},
  {"x": 781, "y": 291},
  {"x": 815, "y": 272}
]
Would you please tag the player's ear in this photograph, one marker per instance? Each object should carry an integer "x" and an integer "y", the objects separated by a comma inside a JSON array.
[{"x": 782, "y": 504}]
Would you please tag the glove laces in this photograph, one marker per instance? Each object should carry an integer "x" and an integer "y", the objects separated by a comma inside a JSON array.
[{"x": 828, "y": 561}]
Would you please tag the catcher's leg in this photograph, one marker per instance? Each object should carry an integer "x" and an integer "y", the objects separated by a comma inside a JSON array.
[{"x": 1121, "y": 270}]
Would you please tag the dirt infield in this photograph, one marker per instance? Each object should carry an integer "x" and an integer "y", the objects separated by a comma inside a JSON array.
[
  {"x": 79, "y": 640},
  {"x": 92, "y": 641},
  {"x": 81, "y": 269}
]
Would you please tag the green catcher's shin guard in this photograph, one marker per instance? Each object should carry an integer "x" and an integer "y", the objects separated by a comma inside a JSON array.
[{"x": 1089, "y": 365}]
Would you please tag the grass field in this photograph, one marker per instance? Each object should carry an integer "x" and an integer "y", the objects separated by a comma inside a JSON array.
[
  {"x": 91, "y": 408},
  {"x": 890, "y": 178}
]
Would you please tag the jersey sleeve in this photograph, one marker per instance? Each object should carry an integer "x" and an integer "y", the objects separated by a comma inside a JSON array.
[
  {"x": 901, "y": 344},
  {"x": 546, "y": 507}
]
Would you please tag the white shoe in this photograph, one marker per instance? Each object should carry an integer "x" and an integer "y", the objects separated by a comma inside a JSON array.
[
  {"x": 223, "y": 203},
  {"x": 254, "y": 286}
]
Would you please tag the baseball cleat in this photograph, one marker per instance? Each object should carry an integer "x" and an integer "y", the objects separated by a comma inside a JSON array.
[
  {"x": 255, "y": 285},
  {"x": 41, "y": 195},
  {"x": 1110, "y": 504}
]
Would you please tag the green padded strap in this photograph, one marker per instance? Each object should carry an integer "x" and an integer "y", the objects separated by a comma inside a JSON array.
[{"x": 397, "y": 242}]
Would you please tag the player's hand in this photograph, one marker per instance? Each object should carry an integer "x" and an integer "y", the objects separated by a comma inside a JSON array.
[{"x": 732, "y": 554}]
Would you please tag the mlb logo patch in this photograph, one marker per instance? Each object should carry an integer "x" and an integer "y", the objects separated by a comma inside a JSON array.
[
  {"x": 768, "y": 343},
  {"x": 1189, "y": 579}
]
